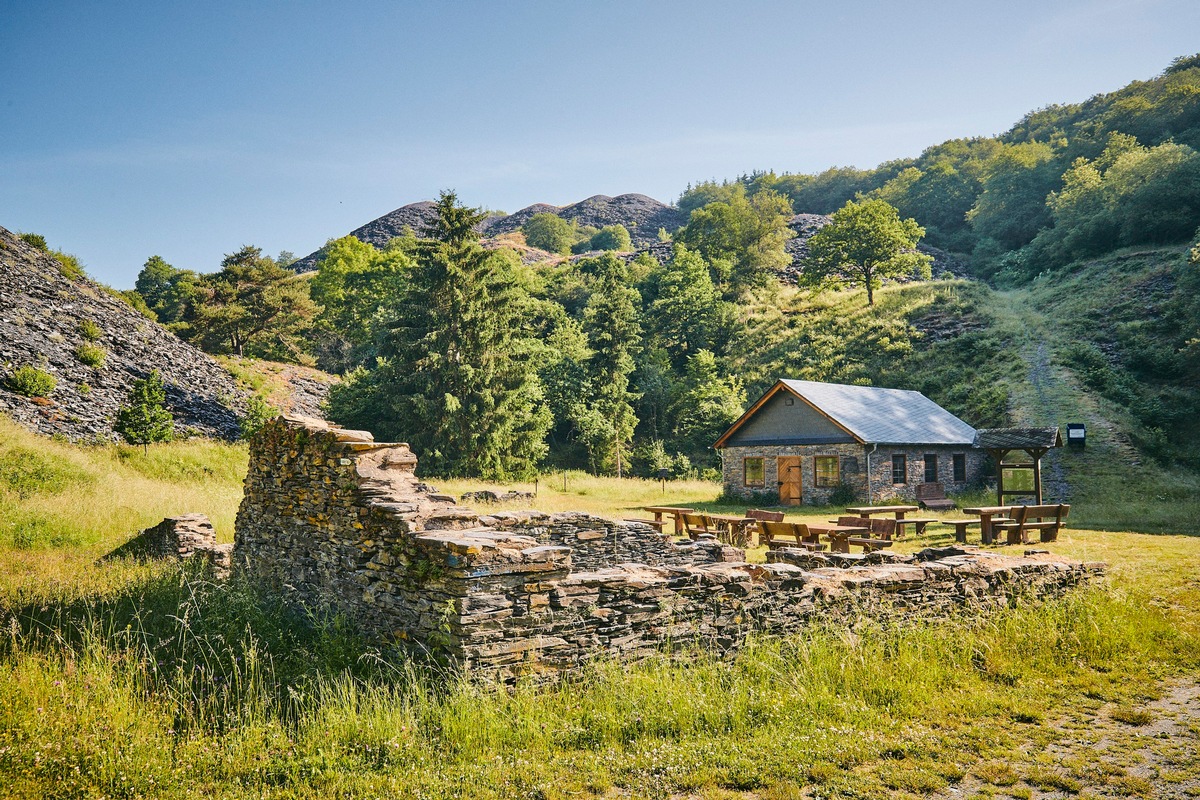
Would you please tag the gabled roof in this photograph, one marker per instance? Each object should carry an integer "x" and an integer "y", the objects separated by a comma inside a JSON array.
[
  {"x": 1018, "y": 438},
  {"x": 873, "y": 415}
]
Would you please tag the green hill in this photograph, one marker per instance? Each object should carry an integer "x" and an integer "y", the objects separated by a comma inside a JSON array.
[{"x": 1111, "y": 343}]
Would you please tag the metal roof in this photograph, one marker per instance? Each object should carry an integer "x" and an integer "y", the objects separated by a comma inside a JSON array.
[
  {"x": 885, "y": 416},
  {"x": 1017, "y": 438}
]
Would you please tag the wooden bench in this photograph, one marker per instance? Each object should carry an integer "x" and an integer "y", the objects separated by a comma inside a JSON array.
[
  {"x": 1046, "y": 520},
  {"x": 777, "y": 535},
  {"x": 933, "y": 497},
  {"x": 882, "y": 531},
  {"x": 961, "y": 525},
  {"x": 697, "y": 524},
  {"x": 762, "y": 516},
  {"x": 657, "y": 524},
  {"x": 960, "y": 528}
]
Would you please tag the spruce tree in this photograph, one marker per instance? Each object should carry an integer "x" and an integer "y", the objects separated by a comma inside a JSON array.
[
  {"x": 456, "y": 380},
  {"x": 614, "y": 335},
  {"x": 144, "y": 418}
]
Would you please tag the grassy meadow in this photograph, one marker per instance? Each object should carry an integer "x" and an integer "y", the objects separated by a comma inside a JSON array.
[{"x": 128, "y": 680}]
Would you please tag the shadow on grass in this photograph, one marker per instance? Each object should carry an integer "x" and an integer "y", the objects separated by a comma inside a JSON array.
[{"x": 218, "y": 648}]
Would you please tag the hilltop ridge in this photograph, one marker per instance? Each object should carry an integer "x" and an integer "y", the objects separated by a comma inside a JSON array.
[{"x": 643, "y": 216}]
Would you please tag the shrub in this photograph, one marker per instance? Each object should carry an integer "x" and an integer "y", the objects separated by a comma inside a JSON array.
[
  {"x": 36, "y": 240},
  {"x": 611, "y": 237},
  {"x": 69, "y": 266},
  {"x": 844, "y": 494},
  {"x": 84, "y": 389},
  {"x": 90, "y": 330},
  {"x": 258, "y": 413},
  {"x": 31, "y": 381},
  {"x": 91, "y": 354},
  {"x": 145, "y": 419}
]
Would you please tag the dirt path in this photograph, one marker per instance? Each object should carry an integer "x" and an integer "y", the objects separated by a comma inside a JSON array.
[
  {"x": 1103, "y": 750},
  {"x": 1053, "y": 395}
]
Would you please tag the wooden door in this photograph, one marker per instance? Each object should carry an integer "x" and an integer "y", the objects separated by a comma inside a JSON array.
[{"x": 790, "y": 492}]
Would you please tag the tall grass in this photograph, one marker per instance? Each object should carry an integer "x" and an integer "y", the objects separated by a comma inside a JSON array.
[
  {"x": 174, "y": 684},
  {"x": 129, "y": 680},
  {"x": 55, "y": 495}
]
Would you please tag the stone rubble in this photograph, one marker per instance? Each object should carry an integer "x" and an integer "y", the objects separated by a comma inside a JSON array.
[
  {"x": 184, "y": 537},
  {"x": 331, "y": 519},
  {"x": 40, "y": 316}
]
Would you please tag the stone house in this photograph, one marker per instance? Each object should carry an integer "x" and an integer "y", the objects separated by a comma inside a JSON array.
[{"x": 805, "y": 439}]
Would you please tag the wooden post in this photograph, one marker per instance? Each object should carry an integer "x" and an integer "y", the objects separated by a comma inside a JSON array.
[
  {"x": 999, "y": 455},
  {"x": 1037, "y": 476}
]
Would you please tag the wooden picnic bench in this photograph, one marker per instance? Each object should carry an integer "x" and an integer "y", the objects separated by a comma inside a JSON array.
[
  {"x": 867, "y": 511},
  {"x": 881, "y": 530},
  {"x": 696, "y": 525},
  {"x": 674, "y": 511},
  {"x": 933, "y": 497},
  {"x": 985, "y": 514},
  {"x": 960, "y": 526},
  {"x": 778, "y": 535},
  {"x": 733, "y": 529},
  {"x": 657, "y": 524},
  {"x": 760, "y": 516},
  {"x": 1046, "y": 520},
  {"x": 920, "y": 523}
]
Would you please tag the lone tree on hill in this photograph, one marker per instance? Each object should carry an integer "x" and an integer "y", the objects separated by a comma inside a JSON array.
[
  {"x": 865, "y": 242},
  {"x": 145, "y": 418}
]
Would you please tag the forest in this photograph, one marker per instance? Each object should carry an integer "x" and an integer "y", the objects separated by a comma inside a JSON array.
[{"x": 622, "y": 362}]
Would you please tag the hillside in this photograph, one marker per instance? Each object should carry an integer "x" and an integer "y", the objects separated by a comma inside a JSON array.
[
  {"x": 1110, "y": 343},
  {"x": 643, "y": 216},
  {"x": 47, "y": 321}
]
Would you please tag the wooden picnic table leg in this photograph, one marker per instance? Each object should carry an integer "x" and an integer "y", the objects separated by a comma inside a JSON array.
[{"x": 985, "y": 527}]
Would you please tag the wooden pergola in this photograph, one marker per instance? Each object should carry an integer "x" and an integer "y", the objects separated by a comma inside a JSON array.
[{"x": 1025, "y": 447}]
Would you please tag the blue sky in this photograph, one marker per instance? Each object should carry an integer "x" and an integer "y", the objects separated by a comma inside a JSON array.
[{"x": 189, "y": 129}]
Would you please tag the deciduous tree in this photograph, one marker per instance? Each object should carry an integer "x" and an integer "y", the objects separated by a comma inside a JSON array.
[{"x": 865, "y": 243}]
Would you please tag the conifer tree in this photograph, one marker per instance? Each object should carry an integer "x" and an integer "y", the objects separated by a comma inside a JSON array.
[
  {"x": 145, "y": 418},
  {"x": 614, "y": 334},
  {"x": 456, "y": 380}
]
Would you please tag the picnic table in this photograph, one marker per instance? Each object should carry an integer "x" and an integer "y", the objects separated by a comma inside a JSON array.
[
  {"x": 985, "y": 514},
  {"x": 735, "y": 529},
  {"x": 674, "y": 511},
  {"x": 867, "y": 511},
  {"x": 838, "y": 535}
]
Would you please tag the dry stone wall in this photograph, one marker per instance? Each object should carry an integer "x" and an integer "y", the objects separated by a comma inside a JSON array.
[{"x": 333, "y": 520}]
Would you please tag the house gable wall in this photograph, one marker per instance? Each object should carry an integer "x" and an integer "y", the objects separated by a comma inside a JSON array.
[{"x": 776, "y": 422}]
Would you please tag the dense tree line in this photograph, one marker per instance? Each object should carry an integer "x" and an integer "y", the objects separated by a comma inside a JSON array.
[{"x": 1065, "y": 182}]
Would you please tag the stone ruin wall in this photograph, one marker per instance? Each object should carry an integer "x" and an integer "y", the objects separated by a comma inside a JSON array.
[{"x": 332, "y": 520}]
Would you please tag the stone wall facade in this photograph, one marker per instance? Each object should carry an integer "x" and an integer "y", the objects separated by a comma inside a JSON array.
[
  {"x": 873, "y": 485},
  {"x": 333, "y": 520}
]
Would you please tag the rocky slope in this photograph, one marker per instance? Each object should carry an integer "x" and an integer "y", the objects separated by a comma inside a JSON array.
[
  {"x": 642, "y": 215},
  {"x": 41, "y": 314}
]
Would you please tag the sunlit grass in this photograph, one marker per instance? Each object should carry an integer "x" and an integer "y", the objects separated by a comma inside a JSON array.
[
  {"x": 143, "y": 680},
  {"x": 100, "y": 496}
]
